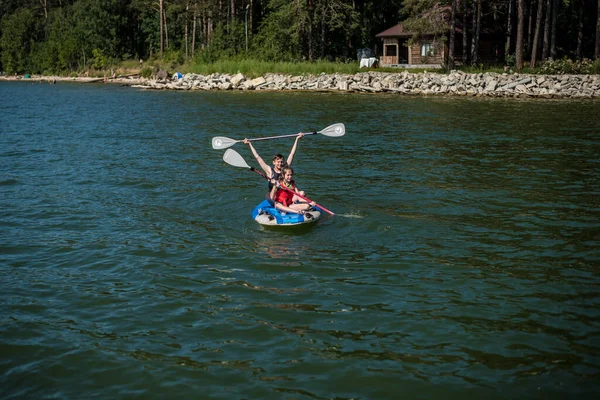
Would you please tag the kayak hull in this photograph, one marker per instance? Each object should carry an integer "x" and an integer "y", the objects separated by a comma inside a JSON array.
[{"x": 267, "y": 215}]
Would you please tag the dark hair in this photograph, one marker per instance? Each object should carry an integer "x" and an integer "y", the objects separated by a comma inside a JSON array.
[{"x": 278, "y": 155}]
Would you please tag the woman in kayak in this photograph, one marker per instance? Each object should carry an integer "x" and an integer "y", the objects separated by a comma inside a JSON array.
[
  {"x": 284, "y": 194},
  {"x": 278, "y": 163}
]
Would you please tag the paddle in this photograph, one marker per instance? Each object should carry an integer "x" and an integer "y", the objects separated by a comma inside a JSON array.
[
  {"x": 234, "y": 158},
  {"x": 335, "y": 130}
]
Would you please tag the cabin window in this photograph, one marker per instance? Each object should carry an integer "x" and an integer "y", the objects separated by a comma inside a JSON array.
[
  {"x": 391, "y": 50},
  {"x": 427, "y": 50}
]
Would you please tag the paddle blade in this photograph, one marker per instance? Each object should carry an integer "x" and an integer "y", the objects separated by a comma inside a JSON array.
[
  {"x": 232, "y": 157},
  {"x": 335, "y": 130},
  {"x": 220, "y": 142}
]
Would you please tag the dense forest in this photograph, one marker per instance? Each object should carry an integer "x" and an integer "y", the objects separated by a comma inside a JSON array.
[{"x": 61, "y": 36}]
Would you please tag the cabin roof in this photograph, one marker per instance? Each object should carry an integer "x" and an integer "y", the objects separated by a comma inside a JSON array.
[{"x": 395, "y": 31}]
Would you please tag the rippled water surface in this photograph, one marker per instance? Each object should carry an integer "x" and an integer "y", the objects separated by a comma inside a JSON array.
[{"x": 463, "y": 259}]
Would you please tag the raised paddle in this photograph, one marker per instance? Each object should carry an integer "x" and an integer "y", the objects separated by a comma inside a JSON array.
[
  {"x": 335, "y": 130},
  {"x": 234, "y": 158}
]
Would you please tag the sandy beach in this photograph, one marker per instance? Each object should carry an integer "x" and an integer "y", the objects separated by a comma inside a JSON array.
[{"x": 121, "y": 80}]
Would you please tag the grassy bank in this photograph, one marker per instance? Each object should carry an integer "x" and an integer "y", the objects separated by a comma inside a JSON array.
[{"x": 255, "y": 68}]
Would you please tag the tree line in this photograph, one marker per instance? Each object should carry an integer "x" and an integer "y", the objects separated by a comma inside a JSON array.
[
  {"x": 532, "y": 30},
  {"x": 58, "y": 36}
]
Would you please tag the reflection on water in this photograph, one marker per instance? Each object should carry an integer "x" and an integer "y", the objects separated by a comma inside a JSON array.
[{"x": 280, "y": 244}]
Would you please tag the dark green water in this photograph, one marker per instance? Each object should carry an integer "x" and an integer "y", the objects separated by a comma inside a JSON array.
[{"x": 463, "y": 259}]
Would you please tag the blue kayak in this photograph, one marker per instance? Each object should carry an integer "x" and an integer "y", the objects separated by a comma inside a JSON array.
[{"x": 266, "y": 214}]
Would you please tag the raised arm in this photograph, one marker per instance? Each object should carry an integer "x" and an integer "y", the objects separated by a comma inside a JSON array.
[
  {"x": 293, "y": 151},
  {"x": 261, "y": 162}
]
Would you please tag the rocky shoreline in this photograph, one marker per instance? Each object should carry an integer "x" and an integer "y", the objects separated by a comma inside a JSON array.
[{"x": 456, "y": 83}]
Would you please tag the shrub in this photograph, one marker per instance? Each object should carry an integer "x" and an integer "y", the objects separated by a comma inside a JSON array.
[
  {"x": 99, "y": 60},
  {"x": 567, "y": 66},
  {"x": 174, "y": 57},
  {"x": 511, "y": 60},
  {"x": 146, "y": 72}
]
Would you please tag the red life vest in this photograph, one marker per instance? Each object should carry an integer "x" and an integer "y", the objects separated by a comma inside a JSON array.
[{"x": 285, "y": 197}]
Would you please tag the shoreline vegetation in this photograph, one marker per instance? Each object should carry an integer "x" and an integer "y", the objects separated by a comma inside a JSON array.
[{"x": 455, "y": 83}]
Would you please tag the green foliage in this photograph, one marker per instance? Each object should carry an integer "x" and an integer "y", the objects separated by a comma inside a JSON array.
[
  {"x": 228, "y": 40},
  {"x": 424, "y": 18},
  {"x": 174, "y": 58},
  {"x": 254, "y": 68},
  {"x": 146, "y": 72},
  {"x": 510, "y": 60},
  {"x": 16, "y": 41},
  {"x": 43, "y": 58},
  {"x": 481, "y": 68},
  {"x": 99, "y": 60},
  {"x": 567, "y": 66},
  {"x": 61, "y": 39},
  {"x": 278, "y": 38},
  {"x": 81, "y": 34},
  {"x": 95, "y": 26}
]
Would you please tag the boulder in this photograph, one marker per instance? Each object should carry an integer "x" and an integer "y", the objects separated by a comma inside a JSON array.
[{"x": 237, "y": 79}]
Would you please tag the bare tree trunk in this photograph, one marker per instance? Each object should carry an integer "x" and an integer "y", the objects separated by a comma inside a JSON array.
[
  {"x": 529, "y": 27},
  {"x": 476, "y": 28},
  {"x": 536, "y": 36},
  {"x": 232, "y": 10},
  {"x": 520, "y": 30},
  {"x": 546, "y": 48},
  {"x": 598, "y": 33},
  {"x": 166, "y": 30},
  {"x": 477, "y": 33},
  {"x": 209, "y": 28},
  {"x": 323, "y": 30},
  {"x": 579, "y": 53},
  {"x": 509, "y": 29},
  {"x": 310, "y": 7},
  {"x": 194, "y": 28},
  {"x": 160, "y": 11},
  {"x": 465, "y": 39},
  {"x": 185, "y": 33},
  {"x": 452, "y": 34},
  {"x": 204, "y": 28},
  {"x": 554, "y": 27},
  {"x": 45, "y": 5}
]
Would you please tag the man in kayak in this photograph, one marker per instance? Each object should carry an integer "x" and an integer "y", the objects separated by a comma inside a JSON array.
[
  {"x": 284, "y": 192},
  {"x": 278, "y": 163}
]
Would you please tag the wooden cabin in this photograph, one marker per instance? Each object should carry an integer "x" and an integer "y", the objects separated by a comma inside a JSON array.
[{"x": 432, "y": 52}]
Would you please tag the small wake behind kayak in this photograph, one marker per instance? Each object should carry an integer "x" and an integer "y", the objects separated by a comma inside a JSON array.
[{"x": 266, "y": 214}]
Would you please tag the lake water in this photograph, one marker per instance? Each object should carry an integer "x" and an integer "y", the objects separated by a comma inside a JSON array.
[{"x": 463, "y": 259}]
